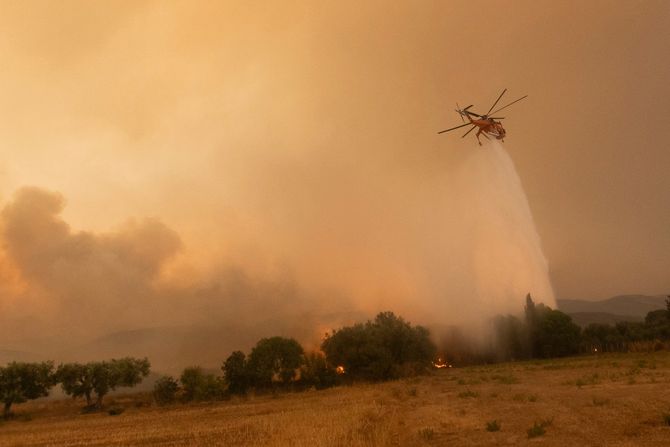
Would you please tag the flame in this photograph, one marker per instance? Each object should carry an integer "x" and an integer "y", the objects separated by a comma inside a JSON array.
[
  {"x": 339, "y": 369},
  {"x": 441, "y": 363}
]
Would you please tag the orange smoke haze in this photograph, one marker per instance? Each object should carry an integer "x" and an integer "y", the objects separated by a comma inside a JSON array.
[{"x": 282, "y": 173}]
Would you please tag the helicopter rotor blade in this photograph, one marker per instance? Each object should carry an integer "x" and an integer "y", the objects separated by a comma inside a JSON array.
[
  {"x": 466, "y": 133},
  {"x": 473, "y": 113},
  {"x": 504, "y": 107},
  {"x": 454, "y": 128},
  {"x": 497, "y": 118},
  {"x": 494, "y": 104}
]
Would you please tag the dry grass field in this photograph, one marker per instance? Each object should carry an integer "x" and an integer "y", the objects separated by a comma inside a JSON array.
[{"x": 614, "y": 400}]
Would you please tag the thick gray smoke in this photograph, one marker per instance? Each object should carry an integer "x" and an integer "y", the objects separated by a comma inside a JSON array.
[{"x": 459, "y": 248}]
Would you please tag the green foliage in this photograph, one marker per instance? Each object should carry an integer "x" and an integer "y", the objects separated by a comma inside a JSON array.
[
  {"x": 236, "y": 374},
  {"x": 555, "y": 335},
  {"x": 129, "y": 371},
  {"x": 315, "y": 372},
  {"x": 512, "y": 338},
  {"x": 79, "y": 380},
  {"x": 494, "y": 425},
  {"x": 20, "y": 382},
  {"x": 200, "y": 386},
  {"x": 275, "y": 360},
  {"x": 386, "y": 348},
  {"x": 544, "y": 333},
  {"x": 165, "y": 390},
  {"x": 603, "y": 337}
]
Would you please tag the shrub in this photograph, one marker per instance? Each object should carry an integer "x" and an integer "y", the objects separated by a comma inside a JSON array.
[
  {"x": 427, "y": 433},
  {"x": 115, "y": 410},
  {"x": 467, "y": 394},
  {"x": 494, "y": 425},
  {"x": 538, "y": 428},
  {"x": 599, "y": 402},
  {"x": 165, "y": 390},
  {"x": 315, "y": 372},
  {"x": 666, "y": 418},
  {"x": 386, "y": 348},
  {"x": 199, "y": 386}
]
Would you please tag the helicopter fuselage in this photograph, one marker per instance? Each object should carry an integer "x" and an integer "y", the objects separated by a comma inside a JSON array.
[{"x": 488, "y": 126}]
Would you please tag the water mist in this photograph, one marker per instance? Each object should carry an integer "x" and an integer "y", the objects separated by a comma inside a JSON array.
[{"x": 499, "y": 254}]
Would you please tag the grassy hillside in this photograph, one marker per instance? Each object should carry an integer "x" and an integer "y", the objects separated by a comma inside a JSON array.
[{"x": 616, "y": 400}]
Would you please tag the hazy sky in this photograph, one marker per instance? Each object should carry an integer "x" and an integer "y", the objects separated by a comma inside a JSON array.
[{"x": 284, "y": 137}]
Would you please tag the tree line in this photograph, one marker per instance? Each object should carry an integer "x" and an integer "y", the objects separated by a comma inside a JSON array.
[
  {"x": 384, "y": 348},
  {"x": 22, "y": 381},
  {"x": 387, "y": 347},
  {"x": 544, "y": 333}
]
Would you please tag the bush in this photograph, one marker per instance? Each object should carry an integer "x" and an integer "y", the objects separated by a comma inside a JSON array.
[
  {"x": 315, "y": 372},
  {"x": 427, "y": 433},
  {"x": 199, "y": 386},
  {"x": 165, "y": 390},
  {"x": 538, "y": 428},
  {"x": 493, "y": 426},
  {"x": 666, "y": 418},
  {"x": 383, "y": 349},
  {"x": 467, "y": 394},
  {"x": 115, "y": 410}
]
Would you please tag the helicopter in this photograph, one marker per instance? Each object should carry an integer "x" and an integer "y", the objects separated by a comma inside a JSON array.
[{"x": 487, "y": 123}]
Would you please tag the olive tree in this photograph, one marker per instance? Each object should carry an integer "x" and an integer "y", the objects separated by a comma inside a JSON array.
[
  {"x": 99, "y": 378},
  {"x": 20, "y": 382},
  {"x": 275, "y": 360}
]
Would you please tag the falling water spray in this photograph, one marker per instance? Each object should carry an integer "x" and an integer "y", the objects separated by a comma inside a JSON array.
[{"x": 502, "y": 258}]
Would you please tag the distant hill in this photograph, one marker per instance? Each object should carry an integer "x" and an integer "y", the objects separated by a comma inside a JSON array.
[
  {"x": 583, "y": 319},
  {"x": 626, "y": 306}
]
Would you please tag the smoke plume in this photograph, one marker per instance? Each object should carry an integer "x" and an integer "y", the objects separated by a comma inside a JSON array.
[{"x": 454, "y": 249}]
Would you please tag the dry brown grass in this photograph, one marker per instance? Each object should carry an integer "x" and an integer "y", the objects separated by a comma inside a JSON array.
[{"x": 615, "y": 400}]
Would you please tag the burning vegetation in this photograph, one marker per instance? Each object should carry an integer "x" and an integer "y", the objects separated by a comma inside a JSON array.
[{"x": 440, "y": 363}]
